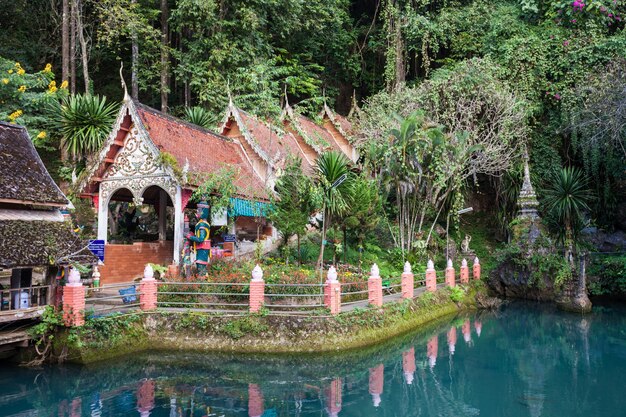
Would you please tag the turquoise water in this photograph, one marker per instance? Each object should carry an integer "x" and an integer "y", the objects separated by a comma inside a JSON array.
[{"x": 526, "y": 360}]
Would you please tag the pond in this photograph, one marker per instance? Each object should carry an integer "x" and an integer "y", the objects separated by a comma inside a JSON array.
[{"x": 525, "y": 360}]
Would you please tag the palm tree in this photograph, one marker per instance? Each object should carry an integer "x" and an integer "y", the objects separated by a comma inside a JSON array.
[
  {"x": 84, "y": 121},
  {"x": 566, "y": 199},
  {"x": 333, "y": 180}
]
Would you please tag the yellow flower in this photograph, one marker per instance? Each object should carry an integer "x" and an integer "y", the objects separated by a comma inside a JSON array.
[
  {"x": 64, "y": 84},
  {"x": 10, "y": 71},
  {"x": 17, "y": 65},
  {"x": 15, "y": 115},
  {"x": 21, "y": 71},
  {"x": 48, "y": 68},
  {"x": 5, "y": 81},
  {"x": 22, "y": 88},
  {"x": 52, "y": 87},
  {"x": 41, "y": 135}
]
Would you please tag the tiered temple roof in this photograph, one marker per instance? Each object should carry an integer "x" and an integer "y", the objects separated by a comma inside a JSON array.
[{"x": 32, "y": 229}]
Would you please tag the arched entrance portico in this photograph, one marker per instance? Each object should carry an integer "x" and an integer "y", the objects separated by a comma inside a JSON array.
[{"x": 140, "y": 221}]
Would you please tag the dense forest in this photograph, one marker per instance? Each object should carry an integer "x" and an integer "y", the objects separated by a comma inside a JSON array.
[{"x": 543, "y": 76}]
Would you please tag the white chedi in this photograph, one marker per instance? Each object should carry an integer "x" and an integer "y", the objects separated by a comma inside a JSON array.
[
  {"x": 74, "y": 279},
  {"x": 331, "y": 276},
  {"x": 148, "y": 272},
  {"x": 257, "y": 273}
]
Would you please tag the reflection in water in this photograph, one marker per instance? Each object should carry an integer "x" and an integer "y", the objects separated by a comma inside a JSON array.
[{"x": 529, "y": 361}]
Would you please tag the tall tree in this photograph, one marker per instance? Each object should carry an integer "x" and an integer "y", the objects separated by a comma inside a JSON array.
[
  {"x": 65, "y": 41},
  {"x": 134, "y": 54},
  {"x": 164, "y": 55},
  {"x": 84, "y": 50}
]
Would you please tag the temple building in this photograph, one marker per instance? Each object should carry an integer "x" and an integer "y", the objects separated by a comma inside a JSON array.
[
  {"x": 268, "y": 145},
  {"x": 35, "y": 239},
  {"x": 149, "y": 166},
  {"x": 314, "y": 139}
]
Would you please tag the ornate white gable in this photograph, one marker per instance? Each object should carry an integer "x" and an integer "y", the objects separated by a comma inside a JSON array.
[{"x": 136, "y": 168}]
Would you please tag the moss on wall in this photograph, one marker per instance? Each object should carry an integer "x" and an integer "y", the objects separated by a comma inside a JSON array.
[{"x": 260, "y": 333}]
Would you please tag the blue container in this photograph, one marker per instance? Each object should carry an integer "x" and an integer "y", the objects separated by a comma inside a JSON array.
[{"x": 130, "y": 294}]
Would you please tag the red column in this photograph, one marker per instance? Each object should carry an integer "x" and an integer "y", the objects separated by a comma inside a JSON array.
[
  {"x": 255, "y": 401},
  {"x": 467, "y": 331},
  {"x": 257, "y": 290},
  {"x": 408, "y": 285},
  {"x": 145, "y": 397},
  {"x": 452, "y": 339},
  {"x": 148, "y": 290},
  {"x": 74, "y": 301},
  {"x": 375, "y": 287},
  {"x": 476, "y": 269},
  {"x": 377, "y": 378},
  {"x": 464, "y": 272},
  {"x": 431, "y": 350},
  {"x": 408, "y": 365},
  {"x": 431, "y": 277},
  {"x": 450, "y": 274},
  {"x": 332, "y": 292},
  {"x": 333, "y": 397}
]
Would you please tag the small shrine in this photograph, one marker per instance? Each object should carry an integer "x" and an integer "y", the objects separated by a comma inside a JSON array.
[
  {"x": 527, "y": 200},
  {"x": 149, "y": 166}
]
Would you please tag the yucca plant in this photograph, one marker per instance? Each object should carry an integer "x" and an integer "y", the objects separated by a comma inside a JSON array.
[
  {"x": 84, "y": 121},
  {"x": 566, "y": 198},
  {"x": 199, "y": 116}
]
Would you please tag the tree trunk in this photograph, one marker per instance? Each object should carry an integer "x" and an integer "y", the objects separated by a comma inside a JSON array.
[
  {"x": 320, "y": 259},
  {"x": 164, "y": 55},
  {"x": 83, "y": 45},
  {"x": 134, "y": 63},
  {"x": 299, "y": 252},
  {"x": 65, "y": 42},
  {"x": 72, "y": 51}
]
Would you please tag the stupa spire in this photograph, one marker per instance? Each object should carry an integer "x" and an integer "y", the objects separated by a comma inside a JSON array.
[{"x": 527, "y": 200}]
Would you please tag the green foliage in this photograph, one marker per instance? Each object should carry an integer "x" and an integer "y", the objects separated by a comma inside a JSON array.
[
  {"x": 566, "y": 199},
  {"x": 607, "y": 274},
  {"x": 291, "y": 212},
  {"x": 199, "y": 116},
  {"x": 168, "y": 160},
  {"x": 216, "y": 188},
  {"x": 456, "y": 294},
  {"x": 26, "y": 99},
  {"x": 251, "y": 325},
  {"x": 84, "y": 122}
]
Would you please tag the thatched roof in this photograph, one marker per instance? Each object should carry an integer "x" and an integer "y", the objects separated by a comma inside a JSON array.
[
  {"x": 23, "y": 176},
  {"x": 40, "y": 243}
]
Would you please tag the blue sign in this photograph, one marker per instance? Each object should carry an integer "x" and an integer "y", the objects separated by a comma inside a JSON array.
[
  {"x": 230, "y": 238},
  {"x": 97, "y": 248}
]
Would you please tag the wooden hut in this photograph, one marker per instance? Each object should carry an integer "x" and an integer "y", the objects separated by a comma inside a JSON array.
[{"x": 34, "y": 237}]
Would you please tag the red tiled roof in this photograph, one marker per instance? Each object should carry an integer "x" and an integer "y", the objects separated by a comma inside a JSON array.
[
  {"x": 318, "y": 134},
  {"x": 206, "y": 151},
  {"x": 267, "y": 139},
  {"x": 344, "y": 123},
  {"x": 272, "y": 143}
]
